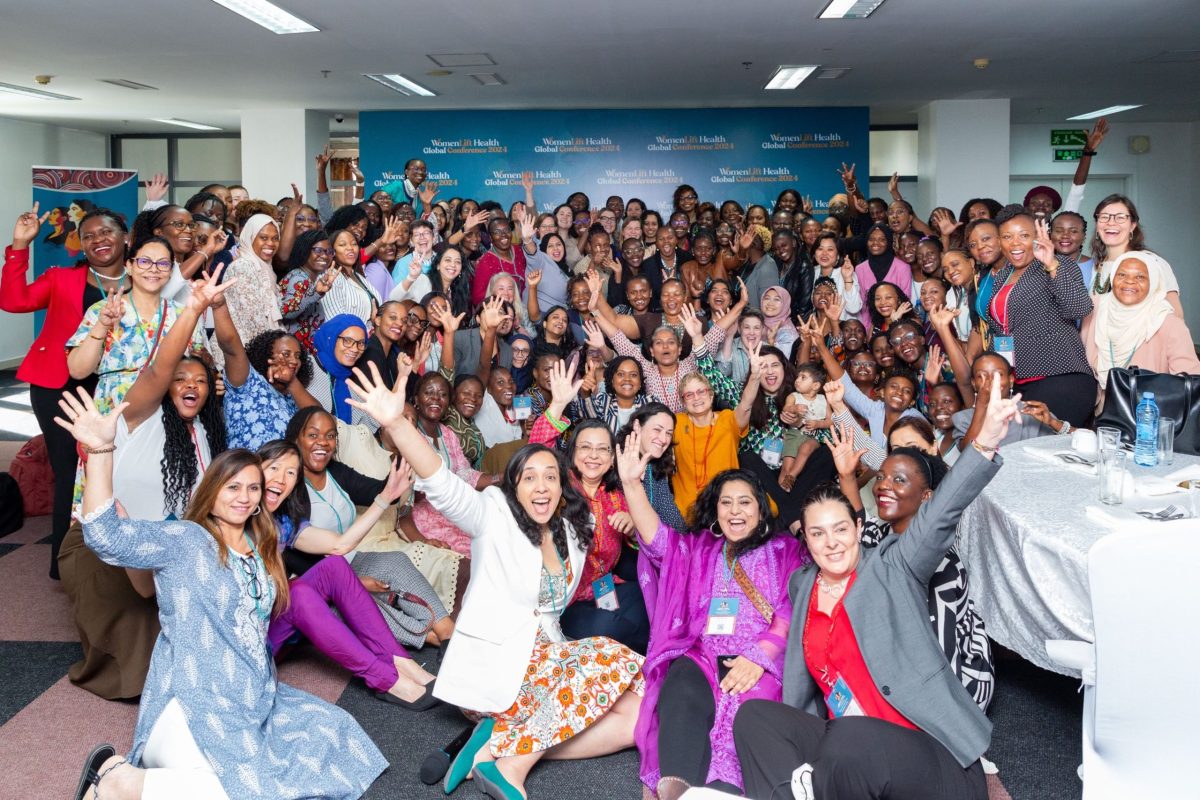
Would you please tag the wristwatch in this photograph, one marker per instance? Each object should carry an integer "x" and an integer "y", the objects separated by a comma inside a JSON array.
[{"x": 1066, "y": 427}]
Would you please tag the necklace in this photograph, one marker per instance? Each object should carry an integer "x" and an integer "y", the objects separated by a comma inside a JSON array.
[
  {"x": 700, "y": 456},
  {"x": 99, "y": 277},
  {"x": 832, "y": 589}
]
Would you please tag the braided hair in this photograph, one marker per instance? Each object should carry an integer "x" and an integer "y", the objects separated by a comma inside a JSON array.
[
  {"x": 258, "y": 353},
  {"x": 573, "y": 507},
  {"x": 180, "y": 469}
]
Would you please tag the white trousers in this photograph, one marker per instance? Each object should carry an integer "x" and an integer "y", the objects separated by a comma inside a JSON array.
[{"x": 175, "y": 767}]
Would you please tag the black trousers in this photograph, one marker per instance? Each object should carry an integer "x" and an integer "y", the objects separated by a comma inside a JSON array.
[
  {"x": 1071, "y": 397},
  {"x": 629, "y": 624},
  {"x": 686, "y": 711},
  {"x": 817, "y": 470},
  {"x": 852, "y": 757},
  {"x": 60, "y": 447}
]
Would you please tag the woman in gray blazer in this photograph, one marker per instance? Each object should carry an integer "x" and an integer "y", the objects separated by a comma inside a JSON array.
[{"x": 871, "y": 707}]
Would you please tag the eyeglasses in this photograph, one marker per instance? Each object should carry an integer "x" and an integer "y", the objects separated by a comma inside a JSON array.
[
  {"x": 352, "y": 344},
  {"x": 1112, "y": 218},
  {"x": 308, "y": 218},
  {"x": 180, "y": 225},
  {"x": 695, "y": 394},
  {"x": 589, "y": 449},
  {"x": 911, "y": 336},
  {"x": 323, "y": 251},
  {"x": 420, "y": 322},
  {"x": 150, "y": 265},
  {"x": 250, "y": 572},
  {"x": 687, "y": 197}
]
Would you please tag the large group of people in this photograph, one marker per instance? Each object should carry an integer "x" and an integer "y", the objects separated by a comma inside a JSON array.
[{"x": 686, "y": 481}]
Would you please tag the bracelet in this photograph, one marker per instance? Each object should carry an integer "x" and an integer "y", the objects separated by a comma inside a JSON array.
[
  {"x": 95, "y": 451},
  {"x": 987, "y": 451},
  {"x": 380, "y": 503},
  {"x": 1089, "y": 152},
  {"x": 1065, "y": 429},
  {"x": 559, "y": 425},
  {"x": 97, "y": 338}
]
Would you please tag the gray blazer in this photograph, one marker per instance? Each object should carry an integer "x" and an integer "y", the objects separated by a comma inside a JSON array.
[{"x": 889, "y": 609}]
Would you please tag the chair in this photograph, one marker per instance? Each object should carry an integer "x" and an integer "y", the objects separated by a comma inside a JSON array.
[{"x": 1141, "y": 710}]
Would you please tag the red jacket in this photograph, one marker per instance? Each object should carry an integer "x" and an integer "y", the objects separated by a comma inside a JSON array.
[{"x": 58, "y": 291}]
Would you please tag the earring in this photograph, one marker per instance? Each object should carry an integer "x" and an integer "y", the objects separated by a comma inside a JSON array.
[{"x": 256, "y": 510}]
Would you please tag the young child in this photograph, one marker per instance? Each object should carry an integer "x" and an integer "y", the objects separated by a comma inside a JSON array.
[{"x": 799, "y": 442}]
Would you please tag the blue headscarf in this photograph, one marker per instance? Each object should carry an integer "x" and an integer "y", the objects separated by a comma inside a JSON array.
[{"x": 325, "y": 341}]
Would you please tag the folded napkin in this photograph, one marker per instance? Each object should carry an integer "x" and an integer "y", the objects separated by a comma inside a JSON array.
[
  {"x": 1066, "y": 459},
  {"x": 1127, "y": 517}
]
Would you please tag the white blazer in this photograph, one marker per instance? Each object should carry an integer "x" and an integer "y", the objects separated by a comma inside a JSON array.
[{"x": 500, "y": 618}]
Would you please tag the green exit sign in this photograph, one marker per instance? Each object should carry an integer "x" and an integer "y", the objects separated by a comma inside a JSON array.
[
  {"x": 1067, "y": 154},
  {"x": 1067, "y": 138}
]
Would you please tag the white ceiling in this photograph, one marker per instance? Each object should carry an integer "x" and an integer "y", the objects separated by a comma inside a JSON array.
[{"x": 1054, "y": 58}]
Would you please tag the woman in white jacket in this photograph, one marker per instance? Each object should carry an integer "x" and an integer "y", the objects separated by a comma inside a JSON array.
[{"x": 539, "y": 695}]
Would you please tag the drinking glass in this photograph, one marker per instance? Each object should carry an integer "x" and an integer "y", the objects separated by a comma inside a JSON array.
[
  {"x": 1110, "y": 438},
  {"x": 1166, "y": 442},
  {"x": 1112, "y": 476}
]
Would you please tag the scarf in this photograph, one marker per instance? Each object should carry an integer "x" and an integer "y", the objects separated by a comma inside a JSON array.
[
  {"x": 881, "y": 263},
  {"x": 251, "y": 229},
  {"x": 523, "y": 376},
  {"x": 1119, "y": 330},
  {"x": 781, "y": 321},
  {"x": 325, "y": 343}
]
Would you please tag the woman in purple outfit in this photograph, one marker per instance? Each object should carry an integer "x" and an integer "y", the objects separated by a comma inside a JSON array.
[{"x": 719, "y": 618}]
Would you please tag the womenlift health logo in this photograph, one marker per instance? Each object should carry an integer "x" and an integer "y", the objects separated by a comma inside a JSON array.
[
  {"x": 472, "y": 146},
  {"x": 671, "y": 144},
  {"x": 753, "y": 175},
  {"x": 805, "y": 141}
]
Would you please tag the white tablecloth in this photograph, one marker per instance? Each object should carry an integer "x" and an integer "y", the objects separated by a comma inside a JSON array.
[{"x": 1025, "y": 542}]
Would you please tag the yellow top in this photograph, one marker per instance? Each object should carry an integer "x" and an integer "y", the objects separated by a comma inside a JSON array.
[{"x": 702, "y": 453}]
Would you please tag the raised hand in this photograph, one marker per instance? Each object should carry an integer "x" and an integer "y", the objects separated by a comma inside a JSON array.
[
  {"x": 447, "y": 319},
  {"x": 905, "y": 308},
  {"x": 746, "y": 240},
  {"x": 806, "y": 205},
  {"x": 216, "y": 242},
  {"x": 841, "y": 444},
  {"x": 492, "y": 314},
  {"x": 621, "y": 522},
  {"x": 323, "y": 158},
  {"x": 847, "y": 175},
  {"x": 325, "y": 280},
  {"x": 833, "y": 310},
  {"x": 595, "y": 336},
  {"x": 534, "y": 276},
  {"x": 424, "y": 348},
  {"x": 860, "y": 203},
  {"x": 156, "y": 188},
  {"x": 1001, "y": 412},
  {"x": 527, "y": 180},
  {"x": 562, "y": 389},
  {"x": 526, "y": 220},
  {"x": 371, "y": 395},
  {"x": 26, "y": 229},
  {"x": 399, "y": 481},
  {"x": 894, "y": 184},
  {"x": 942, "y": 317},
  {"x": 933, "y": 365},
  {"x": 208, "y": 291},
  {"x": 1043, "y": 247},
  {"x": 475, "y": 220},
  {"x": 945, "y": 222},
  {"x": 692, "y": 323},
  {"x": 90, "y": 428},
  {"x": 427, "y": 192},
  {"x": 834, "y": 394},
  {"x": 1097, "y": 135},
  {"x": 631, "y": 464},
  {"x": 112, "y": 310},
  {"x": 594, "y": 284},
  {"x": 847, "y": 269},
  {"x": 756, "y": 360},
  {"x": 297, "y": 197}
]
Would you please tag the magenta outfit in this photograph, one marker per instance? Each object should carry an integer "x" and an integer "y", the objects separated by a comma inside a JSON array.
[
  {"x": 359, "y": 640},
  {"x": 680, "y": 573},
  {"x": 899, "y": 273}
]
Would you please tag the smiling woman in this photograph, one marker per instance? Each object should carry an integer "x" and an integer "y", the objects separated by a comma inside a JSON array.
[{"x": 254, "y": 302}]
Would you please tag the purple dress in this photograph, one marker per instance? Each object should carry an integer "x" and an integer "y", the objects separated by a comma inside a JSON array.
[{"x": 679, "y": 574}]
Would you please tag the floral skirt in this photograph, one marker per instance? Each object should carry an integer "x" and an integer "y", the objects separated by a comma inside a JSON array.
[{"x": 568, "y": 686}]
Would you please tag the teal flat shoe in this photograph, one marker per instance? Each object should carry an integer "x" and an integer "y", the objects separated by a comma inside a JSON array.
[
  {"x": 461, "y": 766},
  {"x": 493, "y": 784}
]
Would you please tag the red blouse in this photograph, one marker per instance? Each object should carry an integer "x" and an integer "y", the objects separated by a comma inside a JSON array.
[
  {"x": 831, "y": 649},
  {"x": 999, "y": 307}
]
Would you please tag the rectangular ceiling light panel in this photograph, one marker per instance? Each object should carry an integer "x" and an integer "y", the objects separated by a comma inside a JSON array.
[
  {"x": 401, "y": 84},
  {"x": 25, "y": 91},
  {"x": 461, "y": 59},
  {"x": 268, "y": 15},
  {"x": 849, "y": 9},
  {"x": 1103, "y": 112},
  {"x": 183, "y": 123},
  {"x": 128, "y": 84},
  {"x": 789, "y": 76},
  {"x": 488, "y": 78}
]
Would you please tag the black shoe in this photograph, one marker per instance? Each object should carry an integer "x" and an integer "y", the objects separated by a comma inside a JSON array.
[
  {"x": 423, "y": 703},
  {"x": 436, "y": 763},
  {"x": 91, "y": 768}
]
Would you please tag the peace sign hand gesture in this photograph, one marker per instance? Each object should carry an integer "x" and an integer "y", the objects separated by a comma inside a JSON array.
[
  {"x": 25, "y": 231},
  {"x": 112, "y": 310}
]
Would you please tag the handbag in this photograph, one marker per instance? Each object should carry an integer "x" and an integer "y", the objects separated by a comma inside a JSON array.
[{"x": 1177, "y": 396}]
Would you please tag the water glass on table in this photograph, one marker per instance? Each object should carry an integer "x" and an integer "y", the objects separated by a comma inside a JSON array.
[
  {"x": 1110, "y": 438},
  {"x": 1166, "y": 441},
  {"x": 1112, "y": 476}
]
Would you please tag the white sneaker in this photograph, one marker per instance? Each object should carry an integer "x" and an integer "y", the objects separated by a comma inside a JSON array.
[{"x": 802, "y": 788}]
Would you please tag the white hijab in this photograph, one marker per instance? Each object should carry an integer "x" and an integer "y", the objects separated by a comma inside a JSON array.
[
  {"x": 1119, "y": 330},
  {"x": 246, "y": 239}
]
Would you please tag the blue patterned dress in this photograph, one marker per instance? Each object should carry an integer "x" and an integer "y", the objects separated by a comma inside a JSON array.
[{"x": 264, "y": 739}]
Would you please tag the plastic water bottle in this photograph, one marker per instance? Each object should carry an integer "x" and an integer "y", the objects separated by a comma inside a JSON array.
[{"x": 1145, "y": 449}]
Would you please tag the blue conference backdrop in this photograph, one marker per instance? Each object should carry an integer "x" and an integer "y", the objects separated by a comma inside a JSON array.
[{"x": 745, "y": 154}]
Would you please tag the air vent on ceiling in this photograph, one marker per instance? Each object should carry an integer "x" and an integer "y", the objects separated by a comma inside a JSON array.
[
  {"x": 126, "y": 84},
  {"x": 487, "y": 78},
  {"x": 832, "y": 73},
  {"x": 461, "y": 59},
  {"x": 1173, "y": 57}
]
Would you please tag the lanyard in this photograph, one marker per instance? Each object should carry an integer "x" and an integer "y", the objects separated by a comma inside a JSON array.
[
  {"x": 255, "y": 561},
  {"x": 341, "y": 526},
  {"x": 196, "y": 444},
  {"x": 700, "y": 458}
]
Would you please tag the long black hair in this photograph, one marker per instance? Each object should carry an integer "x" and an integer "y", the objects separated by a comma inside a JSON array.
[
  {"x": 562, "y": 265},
  {"x": 610, "y": 481},
  {"x": 564, "y": 347},
  {"x": 258, "y": 353},
  {"x": 296, "y": 506},
  {"x": 573, "y": 507},
  {"x": 702, "y": 516},
  {"x": 760, "y": 415},
  {"x": 180, "y": 469},
  {"x": 877, "y": 320},
  {"x": 458, "y": 293},
  {"x": 663, "y": 466},
  {"x": 344, "y": 217}
]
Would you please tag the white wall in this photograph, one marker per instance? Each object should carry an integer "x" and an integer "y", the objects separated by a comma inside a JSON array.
[
  {"x": 1164, "y": 183},
  {"x": 23, "y": 145}
]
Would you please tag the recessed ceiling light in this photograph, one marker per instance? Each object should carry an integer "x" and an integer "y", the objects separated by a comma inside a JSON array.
[
  {"x": 461, "y": 59},
  {"x": 849, "y": 9},
  {"x": 832, "y": 73},
  {"x": 268, "y": 15},
  {"x": 183, "y": 123},
  {"x": 38, "y": 93},
  {"x": 127, "y": 84},
  {"x": 487, "y": 78},
  {"x": 1103, "y": 112},
  {"x": 401, "y": 84},
  {"x": 789, "y": 76},
  {"x": 439, "y": 73}
]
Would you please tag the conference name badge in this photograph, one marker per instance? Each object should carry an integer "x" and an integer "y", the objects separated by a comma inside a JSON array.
[
  {"x": 522, "y": 406},
  {"x": 1003, "y": 345},
  {"x": 605, "y": 591},
  {"x": 841, "y": 700},
  {"x": 772, "y": 452},
  {"x": 722, "y": 616}
]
